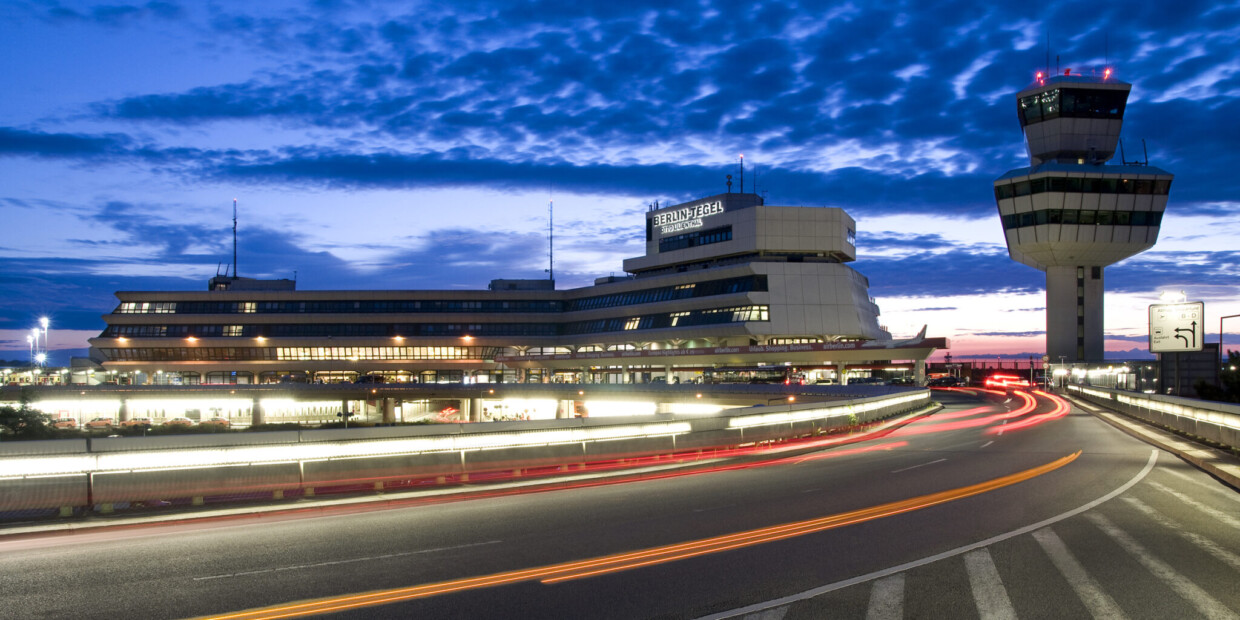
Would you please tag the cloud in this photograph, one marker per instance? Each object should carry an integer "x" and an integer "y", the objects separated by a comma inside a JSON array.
[
  {"x": 19, "y": 142},
  {"x": 115, "y": 15}
]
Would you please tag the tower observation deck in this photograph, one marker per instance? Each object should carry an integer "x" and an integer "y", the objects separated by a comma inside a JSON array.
[{"x": 1070, "y": 214}]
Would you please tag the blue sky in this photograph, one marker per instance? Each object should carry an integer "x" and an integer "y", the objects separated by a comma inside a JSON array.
[{"x": 376, "y": 145}]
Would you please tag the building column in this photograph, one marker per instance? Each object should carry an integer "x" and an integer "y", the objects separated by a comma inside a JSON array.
[
  {"x": 474, "y": 407},
  {"x": 1074, "y": 313},
  {"x": 257, "y": 415},
  {"x": 122, "y": 414},
  {"x": 389, "y": 411},
  {"x": 841, "y": 369},
  {"x": 919, "y": 372}
]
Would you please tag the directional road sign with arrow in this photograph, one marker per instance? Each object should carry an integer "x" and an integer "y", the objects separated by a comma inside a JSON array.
[{"x": 1177, "y": 328}]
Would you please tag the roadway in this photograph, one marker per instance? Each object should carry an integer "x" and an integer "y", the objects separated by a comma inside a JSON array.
[{"x": 970, "y": 512}]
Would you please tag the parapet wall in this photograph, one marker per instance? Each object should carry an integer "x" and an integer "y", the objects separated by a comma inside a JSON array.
[
  {"x": 72, "y": 475},
  {"x": 1216, "y": 422}
]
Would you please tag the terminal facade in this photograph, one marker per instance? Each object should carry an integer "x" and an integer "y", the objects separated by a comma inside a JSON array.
[{"x": 726, "y": 281}]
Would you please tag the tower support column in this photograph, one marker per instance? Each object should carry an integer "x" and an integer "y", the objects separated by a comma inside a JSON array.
[{"x": 1074, "y": 313}]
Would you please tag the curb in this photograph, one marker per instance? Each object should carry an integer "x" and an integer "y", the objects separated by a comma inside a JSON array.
[{"x": 1220, "y": 465}]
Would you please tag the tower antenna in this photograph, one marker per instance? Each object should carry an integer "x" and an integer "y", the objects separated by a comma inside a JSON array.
[
  {"x": 742, "y": 173},
  {"x": 551, "y": 240},
  {"x": 234, "y": 237}
]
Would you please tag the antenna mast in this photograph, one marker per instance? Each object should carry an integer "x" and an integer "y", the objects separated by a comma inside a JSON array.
[
  {"x": 551, "y": 240},
  {"x": 234, "y": 237},
  {"x": 742, "y": 173}
]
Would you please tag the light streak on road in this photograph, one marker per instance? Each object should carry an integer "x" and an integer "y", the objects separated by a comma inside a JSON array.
[{"x": 647, "y": 557}]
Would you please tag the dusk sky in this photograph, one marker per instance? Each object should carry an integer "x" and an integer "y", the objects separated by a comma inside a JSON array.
[{"x": 415, "y": 145}]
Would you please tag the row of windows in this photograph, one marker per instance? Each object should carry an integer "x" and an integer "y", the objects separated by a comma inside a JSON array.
[
  {"x": 695, "y": 239},
  {"x": 220, "y": 354},
  {"x": 337, "y": 307},
  {"x": 388, "y": 330},
  {"x": 1071, "y": 103},
  {"x": 1082, "y": 217},
  {"x": 684, "y": 291},
  {"x": 727, "y": 286},
  {"x": 1160, "y": 187},
  {"x": 713, "y": 316}
]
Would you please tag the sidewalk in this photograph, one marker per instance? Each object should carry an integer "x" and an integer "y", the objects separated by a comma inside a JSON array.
[{"x": 1217, "y": 463}]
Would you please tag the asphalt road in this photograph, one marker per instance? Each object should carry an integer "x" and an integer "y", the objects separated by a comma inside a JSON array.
[{"x": 932, "y": 520}]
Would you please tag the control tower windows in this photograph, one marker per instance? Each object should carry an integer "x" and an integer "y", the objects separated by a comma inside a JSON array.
[
  {"x": 1071, "y": 103},
  {"x": 1159, "y": 187},
  {"x": 1083, "y": 217}
]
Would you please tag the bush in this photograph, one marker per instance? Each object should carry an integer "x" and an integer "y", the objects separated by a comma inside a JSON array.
[{"x": 25, "y": 423}]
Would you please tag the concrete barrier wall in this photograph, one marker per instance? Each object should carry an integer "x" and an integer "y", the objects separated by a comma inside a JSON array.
[
  {"x": 116, "y": 487},
  {"x": 362, "y": 471},
  {"x": 131, "y": 484},
  {"x": 1217, "y": 422},
  {"x": 17, "y": 494}
]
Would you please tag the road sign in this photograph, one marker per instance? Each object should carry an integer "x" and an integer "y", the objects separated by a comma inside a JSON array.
[{"x": 1177, "y": 328}]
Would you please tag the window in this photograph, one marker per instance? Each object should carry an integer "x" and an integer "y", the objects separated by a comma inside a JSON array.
[{"x": 695, "y": 239}]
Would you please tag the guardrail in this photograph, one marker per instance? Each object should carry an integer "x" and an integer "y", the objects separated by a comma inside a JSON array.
[
  {"x": 1216, "y": 422},
  {"x": 104, "y": 473}
]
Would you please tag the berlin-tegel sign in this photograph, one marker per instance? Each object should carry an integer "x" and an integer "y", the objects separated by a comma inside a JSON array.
[{"x": 1176, "y": 328}]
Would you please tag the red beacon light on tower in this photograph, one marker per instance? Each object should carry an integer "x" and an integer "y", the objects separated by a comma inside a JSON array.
[{"x": 1106, "y": 74}]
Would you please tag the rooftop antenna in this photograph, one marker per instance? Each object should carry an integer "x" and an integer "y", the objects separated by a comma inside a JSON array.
[
  {"x": 742, "y": 173},
  {"x": 234, "y": 237},
  {"x": 551, "y": 240},
  {"x": 729, "y": 183}
]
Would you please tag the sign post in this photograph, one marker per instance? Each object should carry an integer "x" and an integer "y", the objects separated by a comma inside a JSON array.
[{"x": 1177, "y": 328}]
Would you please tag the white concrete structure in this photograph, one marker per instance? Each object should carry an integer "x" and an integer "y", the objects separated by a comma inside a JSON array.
[
  {"x": 726, "y": 280},
  {"x": 1068, "y": 213}
]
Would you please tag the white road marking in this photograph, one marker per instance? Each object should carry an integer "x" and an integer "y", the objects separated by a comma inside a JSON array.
[
  {"x": 714, "y": 508},
  {"x": 988, "y": 591},
  {"x": 916, "y": 466},
  {"x": 886, "y": 572},
  {"x": 770, "y": 614},
  {"x": 887, "y": 599},
  {"x": 988, "y": 443},
  {"x": 1189, "y": 591},
  {"x": 1205, "y": 544},
  {"x": 1217, "y": 514},
  {"x": 810, "y": 490},
  {"x": 1214, "y": 488},
  {"x": 349, "y": 561},
  {"x": 1099, "y": 604}
]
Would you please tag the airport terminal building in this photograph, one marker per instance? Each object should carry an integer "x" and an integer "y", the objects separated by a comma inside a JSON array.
[{"x": 726, "y": 281}]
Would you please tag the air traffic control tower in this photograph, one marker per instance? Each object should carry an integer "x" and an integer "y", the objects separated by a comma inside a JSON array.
[{"x": 1069, "y": 213}]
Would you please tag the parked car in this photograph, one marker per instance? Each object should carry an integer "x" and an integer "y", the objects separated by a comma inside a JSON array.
[
  {"x": 137, "y": 422},
  {"x": 948, "y": 381},
  {"x": 178, "y": 422},
  {"x": 100, "y": 423},
  {"x": 370, "y": 379},
  {"x": 65, "y": 423},
  {"x": 216, "y": 421}
]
